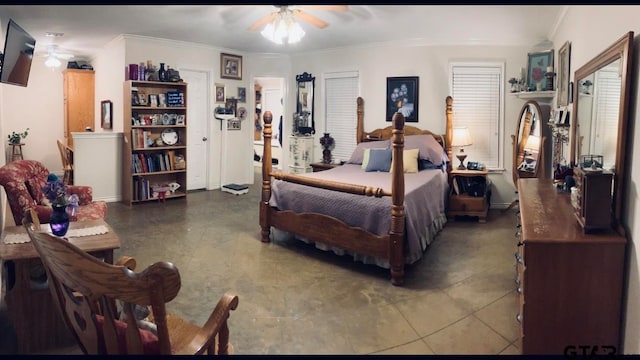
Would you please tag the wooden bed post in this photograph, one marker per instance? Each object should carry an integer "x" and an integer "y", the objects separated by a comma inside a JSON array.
[
  {"x": 360, "y": 129},
  {"x": 449, "y": 132},
  {"x": 265, "y": 223},
  {"x": 396, "y": 233}
]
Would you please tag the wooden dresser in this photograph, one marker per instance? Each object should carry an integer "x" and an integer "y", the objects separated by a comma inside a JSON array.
[{"x": 569, "y": 284}]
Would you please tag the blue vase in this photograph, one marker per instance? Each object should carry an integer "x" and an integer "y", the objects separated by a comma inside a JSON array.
[{"x": 59, "y": 220}]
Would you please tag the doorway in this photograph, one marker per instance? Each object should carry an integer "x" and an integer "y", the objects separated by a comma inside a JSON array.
[
  {"x": 269, "y": 96},
  {"x": 197, "y": 130}
]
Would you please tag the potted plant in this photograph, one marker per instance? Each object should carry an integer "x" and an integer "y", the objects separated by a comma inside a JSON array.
[{"x": 16, "y": 137}]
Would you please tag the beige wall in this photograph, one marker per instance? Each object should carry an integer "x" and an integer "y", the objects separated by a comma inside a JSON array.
[{"x": 587, "y": 40}]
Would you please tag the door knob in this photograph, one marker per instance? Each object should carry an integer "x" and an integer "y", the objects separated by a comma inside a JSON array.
[{"x": 204, "y": 138}]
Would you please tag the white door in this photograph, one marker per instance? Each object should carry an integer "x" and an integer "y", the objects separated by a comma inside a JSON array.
[
  {"x": 273, "y": 102},
  {"x": 197, "y": 116}
]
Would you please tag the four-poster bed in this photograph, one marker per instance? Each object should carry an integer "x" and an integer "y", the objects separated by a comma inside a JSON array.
[{"x": 387, "y": 216}]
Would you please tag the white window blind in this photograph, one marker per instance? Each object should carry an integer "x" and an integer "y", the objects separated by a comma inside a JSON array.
[
  {"x": 478, "y": 98},
  {"x": 605, "y": 126},
  {"x": 341, "y": 92}
]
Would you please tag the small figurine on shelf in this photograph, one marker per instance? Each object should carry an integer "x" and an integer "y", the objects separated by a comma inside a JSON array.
[{"x": 514, "y": 85}]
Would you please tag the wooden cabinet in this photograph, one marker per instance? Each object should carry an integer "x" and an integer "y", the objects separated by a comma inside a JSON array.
[
  {"x": 79, "y": 101},
  {"x": 593, "y": 198},
  {"x": 469, "y": 195},
  {"x": 569, "y": 284},
  {"x": 155, "y": 141},
  {"x": 300, "y": 154}
]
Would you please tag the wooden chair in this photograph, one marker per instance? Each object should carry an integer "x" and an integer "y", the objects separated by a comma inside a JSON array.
[
  {"x": 67, "y": 162},
  {"x": 86, "y": 290}
]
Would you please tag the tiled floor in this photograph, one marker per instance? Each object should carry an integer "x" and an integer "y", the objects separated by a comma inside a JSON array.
[{"x": 296, "y": 299}]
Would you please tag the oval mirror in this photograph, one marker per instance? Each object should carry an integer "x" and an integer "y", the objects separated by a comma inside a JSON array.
[
  {"x": 599, "y": 123},
  {"x": 530, "y": 157},
  {"x": 303, "y": 121}
]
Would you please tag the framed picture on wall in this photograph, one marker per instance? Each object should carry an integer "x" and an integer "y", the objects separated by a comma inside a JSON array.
[
  {"x": 230, "y": 66},
  {"x": 402, "y": 96},
  {"x": 106, "y": 107},
  {"x": 536, "y": 68},
  {"x": 219, "y": 93},
  {"x": 564, "y": 60}
]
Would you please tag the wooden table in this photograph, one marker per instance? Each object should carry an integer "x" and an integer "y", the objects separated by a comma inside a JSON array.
[{"x": 36, "y": 319}]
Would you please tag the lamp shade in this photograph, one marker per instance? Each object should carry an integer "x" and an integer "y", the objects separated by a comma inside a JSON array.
[{"x": 461, "y": 137}]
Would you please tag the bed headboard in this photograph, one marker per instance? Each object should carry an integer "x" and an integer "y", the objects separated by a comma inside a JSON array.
[{"x": 385, "y": 133}]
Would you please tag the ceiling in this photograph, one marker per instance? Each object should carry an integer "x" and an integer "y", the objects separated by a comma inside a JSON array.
[{"x": 88, "y": 28}]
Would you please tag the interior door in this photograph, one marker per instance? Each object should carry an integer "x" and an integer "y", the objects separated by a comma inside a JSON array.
[{"x": 197, "y": 112}]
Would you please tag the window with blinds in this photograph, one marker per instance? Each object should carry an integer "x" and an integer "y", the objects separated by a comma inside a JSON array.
[
  {"x": 341, "y": 93},
  {"x": 604, "y": 132},
  {"x": 478, "y": 104}
]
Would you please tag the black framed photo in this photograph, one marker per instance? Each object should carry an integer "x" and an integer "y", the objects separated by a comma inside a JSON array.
[
  {"x": 242, "y": 94},
  {"x": 230, "y": 66},
  {"x": 106, "y": 107},
  {"x": 402, "y": 97},
  {"x": 537, "y": 65}
]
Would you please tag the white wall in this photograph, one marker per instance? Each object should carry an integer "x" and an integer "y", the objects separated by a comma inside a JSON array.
[{"x": 588, "y": 40}]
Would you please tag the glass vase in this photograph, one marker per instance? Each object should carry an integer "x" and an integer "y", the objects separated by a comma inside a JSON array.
[
  {"x": 59, "y": 221},
  {"x": 162, "y": 73}
]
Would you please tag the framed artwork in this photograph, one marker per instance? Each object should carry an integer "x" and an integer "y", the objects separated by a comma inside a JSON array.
[
  {"x": 162, "y": 100},
  {"x": 536, "y": 68},
  {"x": 153, "y": 100},
  {"x": 564, "y": 60},
  {"x": 107, "y": 114},
  {"x": 232, "y": 103},
  {"x": 402, "y": 96},
  {"x": 219, "y": 93},
  {"x": 234, "y": 124},
  {"x": 230, "y": 66},
  {"x": 142, "y": 98},
  {"x": 242, "y": 94}
]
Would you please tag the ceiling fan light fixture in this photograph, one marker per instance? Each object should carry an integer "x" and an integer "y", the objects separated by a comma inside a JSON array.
[
  {"x": 283, "y": 27},
  {"x": 52, "y": 61}
]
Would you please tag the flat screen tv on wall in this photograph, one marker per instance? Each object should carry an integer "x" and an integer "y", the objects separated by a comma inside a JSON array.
[{"x": 16, "y": 59}]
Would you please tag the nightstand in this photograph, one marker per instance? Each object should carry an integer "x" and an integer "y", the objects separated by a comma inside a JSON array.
[
  {"x": 469, "y": 194},
  {"x": 320, "y": 166}
]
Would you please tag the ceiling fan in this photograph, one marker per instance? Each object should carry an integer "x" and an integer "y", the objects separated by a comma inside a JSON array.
[
  {"x": 54, "y": 55},
  {"x": 297, "y": 12}
]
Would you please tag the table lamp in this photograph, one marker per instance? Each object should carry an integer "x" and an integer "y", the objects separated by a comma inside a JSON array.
[{"x": 461, "y": 138}]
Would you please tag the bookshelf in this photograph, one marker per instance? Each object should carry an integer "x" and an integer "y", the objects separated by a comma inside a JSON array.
[{"x": 155, "y": 141}]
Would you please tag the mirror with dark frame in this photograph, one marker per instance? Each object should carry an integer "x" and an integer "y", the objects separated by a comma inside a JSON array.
[
  {"x": 303, "y": 121},
  {"x": 600, "y": 116}
]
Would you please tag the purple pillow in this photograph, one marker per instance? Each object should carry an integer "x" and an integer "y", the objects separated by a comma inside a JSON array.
[
  {"x": 428, "y": 148},
  {"x": 358, "y": 154},
  {"x": 379, "y": 160}
]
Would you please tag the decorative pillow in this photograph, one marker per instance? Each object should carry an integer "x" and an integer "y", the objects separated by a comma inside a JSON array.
[
  {"x": 358, "y": 154},
  {"x": 379, "y": 160},
  {"x": 34, "y": 186},
  {"x": 427, "y": 165},
  {"x": 428, "y": 147},
  {"x": 149, "y": 340},
  {"x": 409, "y": 161}
]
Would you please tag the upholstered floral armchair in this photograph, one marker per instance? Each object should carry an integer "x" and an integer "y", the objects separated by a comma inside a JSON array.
[{"x": 23, "y": 181}]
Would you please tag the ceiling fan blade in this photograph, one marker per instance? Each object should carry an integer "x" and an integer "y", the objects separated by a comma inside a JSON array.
[
  {"x": 326, "y": 7},
  {"x": 310, "y": 19},
  {"x": 263, "y": 21},
  {"x": 63, "y": 56}
]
